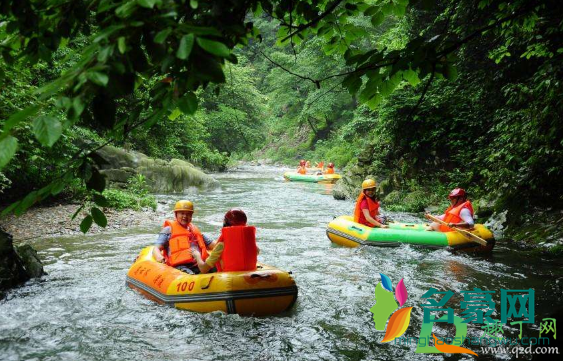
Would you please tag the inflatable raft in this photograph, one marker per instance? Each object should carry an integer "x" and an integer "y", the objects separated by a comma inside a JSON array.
[
  {"x": 344, "y": 231},
  {"x": 321, "y": 178},
  {"x": 265, "y": 291}
]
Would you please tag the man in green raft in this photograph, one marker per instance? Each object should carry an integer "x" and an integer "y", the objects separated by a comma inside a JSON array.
[{"x": 458, "y": 214}]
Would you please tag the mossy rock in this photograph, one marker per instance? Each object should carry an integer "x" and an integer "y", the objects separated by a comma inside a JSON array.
[
  {"x": 30, "y": 260},
  {"x": 416, "y": 201},
  {"x": 174, "y": 176},
  {"x": 385, "y": 187},
  {"x": 339, "y": 192},
  {"x": 12, "y": 268},
  {"x": 394, "y": 197}
]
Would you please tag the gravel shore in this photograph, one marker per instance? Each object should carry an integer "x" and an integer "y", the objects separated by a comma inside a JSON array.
[{"x": 55, "y": 221}]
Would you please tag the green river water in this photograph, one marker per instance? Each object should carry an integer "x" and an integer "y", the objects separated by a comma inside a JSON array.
[{"x": 82, "y": 309}]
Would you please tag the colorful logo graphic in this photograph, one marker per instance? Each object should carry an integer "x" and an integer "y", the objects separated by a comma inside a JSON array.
[
  {"x": 385, "y": 307},
  {"x": 477, "y": 307}
]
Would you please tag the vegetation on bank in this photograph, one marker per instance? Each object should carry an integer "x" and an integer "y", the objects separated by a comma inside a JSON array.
[{"x": 424, "y": 95}]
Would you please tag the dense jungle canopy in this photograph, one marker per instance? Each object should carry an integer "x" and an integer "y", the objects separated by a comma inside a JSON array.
[{"x": 430, "y": 94}]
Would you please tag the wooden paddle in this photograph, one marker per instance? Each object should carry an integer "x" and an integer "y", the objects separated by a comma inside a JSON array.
[{"x": 472, "y": 237}]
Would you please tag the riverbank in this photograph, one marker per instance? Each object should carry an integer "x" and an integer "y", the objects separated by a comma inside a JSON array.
[{"x": 56, "y": 221}]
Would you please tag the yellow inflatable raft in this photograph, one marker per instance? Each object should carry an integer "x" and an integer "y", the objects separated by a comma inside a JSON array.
[{"x": 263, "y": 292}]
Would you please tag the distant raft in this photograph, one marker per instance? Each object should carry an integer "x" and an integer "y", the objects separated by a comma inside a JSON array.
[
  {"x": 265, "y": 291},
  {"x": 344, "y": 231},
  {"x": 314, "y": 178}
]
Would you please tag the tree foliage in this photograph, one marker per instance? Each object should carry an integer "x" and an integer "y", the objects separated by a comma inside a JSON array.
[{"x": 145, "y": 62}]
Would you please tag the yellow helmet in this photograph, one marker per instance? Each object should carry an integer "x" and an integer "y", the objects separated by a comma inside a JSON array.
[
  {"x": 369, "y": 183},
  {"x": 184, "y": 205}
]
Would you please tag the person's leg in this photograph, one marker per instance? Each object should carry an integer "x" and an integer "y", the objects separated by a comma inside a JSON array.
[{"x": 185, "y": 268}]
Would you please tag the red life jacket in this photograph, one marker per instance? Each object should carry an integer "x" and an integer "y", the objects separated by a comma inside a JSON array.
[
  {"x": 373, "y": 210},
  {"x": 240, "y": 252},
  {"x": 452, "y": 215},
  {"x": 179, "y": 250}
]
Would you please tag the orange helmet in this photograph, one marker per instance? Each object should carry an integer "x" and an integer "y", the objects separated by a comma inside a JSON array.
[
  {"x": 331, "y": 165},
  {"x": 458, "y": 192},
  {"x": 235, "y": 217},
  {"x": 368, "y": 184}
]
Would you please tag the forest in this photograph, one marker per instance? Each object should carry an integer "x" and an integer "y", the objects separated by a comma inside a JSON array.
[{"x": 424, "y": 95}]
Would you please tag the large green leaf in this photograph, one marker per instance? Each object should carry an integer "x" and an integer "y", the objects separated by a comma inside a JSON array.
[
  {"x": 47, "y": 130},
  {"x": 8, "y": 147},
  {"x": 162, "y": 35},
  {"x": 16, "y": 118},
  {"x": 98, "y": 78},
  {"x": 149, "y": 4},
  {"x": 97, "y": 181},
  {"x": 99, "y": 217},
  {"x": 86, "y": 223},
  {"x": 214, "y": 47},
  {"x": 100, "y": 200},
  {"x": 188, "y": 103},
  {"x": 185, "y": 47}
]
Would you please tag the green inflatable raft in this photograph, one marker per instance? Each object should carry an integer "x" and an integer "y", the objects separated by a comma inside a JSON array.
[
  {"x": 314, "y": 178},
  {"x": 344, "y": 231}
]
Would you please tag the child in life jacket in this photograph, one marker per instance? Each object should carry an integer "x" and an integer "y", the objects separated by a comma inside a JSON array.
[
  {"x": 367, "y": 206},
  {"x": 458, "y": 214},
  {"x": 235, "y": 249}
]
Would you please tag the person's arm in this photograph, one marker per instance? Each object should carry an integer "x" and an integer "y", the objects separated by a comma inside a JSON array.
[
  {"x": 439, "y": 217},
  {"x": 161, "y": 243},
  {"x": 369, "y": 218},
  {"x": 209, "y": 263},
  {"x": 467, "y": 220},
  {"x": 213, "y": 244}
]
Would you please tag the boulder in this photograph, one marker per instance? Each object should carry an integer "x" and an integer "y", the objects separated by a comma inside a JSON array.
[
  {"x": 30, "y": 260},
  {"x": 13, "y": 269},
  {"x": 174, "y": 176}
]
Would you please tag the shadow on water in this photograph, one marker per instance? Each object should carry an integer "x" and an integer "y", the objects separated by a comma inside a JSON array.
[{"x": 83, "y": 310}]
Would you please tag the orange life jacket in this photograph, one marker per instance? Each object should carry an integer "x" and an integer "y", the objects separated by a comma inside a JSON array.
[
  {"x": 373, "y": 210},
  {"x": 301, "y": 170},
  {"x": 329, "y": 171},
  {"x": 452, "y": 215},
  {"x": 240, "y": 252},
  {"x": 179, "y": 251}
]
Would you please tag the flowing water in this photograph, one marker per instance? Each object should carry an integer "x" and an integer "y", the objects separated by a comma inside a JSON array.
[{"x": 83, "y": 311}]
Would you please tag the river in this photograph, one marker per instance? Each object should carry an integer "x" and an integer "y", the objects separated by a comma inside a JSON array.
[{"x": 82, "y": 309}]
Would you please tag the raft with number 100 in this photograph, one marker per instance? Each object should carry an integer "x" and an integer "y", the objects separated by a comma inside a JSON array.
[
  {"x": 344, "y": 231},
  {"x": 264, "y": 291}
]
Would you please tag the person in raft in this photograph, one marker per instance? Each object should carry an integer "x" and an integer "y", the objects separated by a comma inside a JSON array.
[
  {"x": 458, "y": 214},
  {"x": 302, "y": 169},
  {"x": 329, "y": 168},
  {"x": 367, "y": 206},
  {"x": 307, "y": 164},
  {"x": 235, "y": 249},
  {"x": 179, "y": 239}
]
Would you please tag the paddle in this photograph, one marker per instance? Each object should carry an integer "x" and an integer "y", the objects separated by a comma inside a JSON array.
[{"x": 472, "y": 237}]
